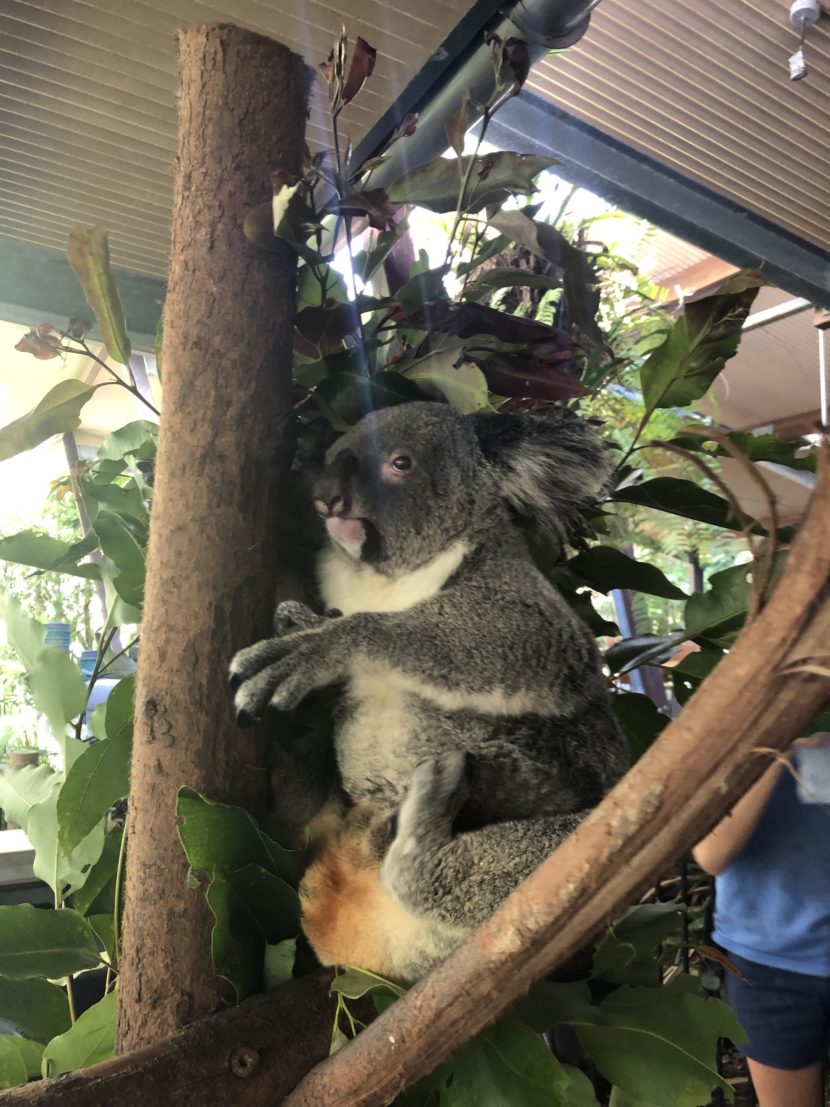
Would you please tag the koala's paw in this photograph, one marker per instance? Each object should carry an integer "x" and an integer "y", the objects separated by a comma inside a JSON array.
[
  {"x": 293, "y": 615},
  {"x": 278, "y": 672},
  {"x": 436, "y": 792}
]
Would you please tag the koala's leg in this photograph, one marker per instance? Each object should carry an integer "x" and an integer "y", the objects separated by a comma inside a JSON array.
[
  {"x": 303, "y": 779},
  {"x": 461, "y": 878}
]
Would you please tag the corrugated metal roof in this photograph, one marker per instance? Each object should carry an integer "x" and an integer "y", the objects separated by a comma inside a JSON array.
[
  {"x": 88, "y": 102},
  {"x": 704, "y": 87}
]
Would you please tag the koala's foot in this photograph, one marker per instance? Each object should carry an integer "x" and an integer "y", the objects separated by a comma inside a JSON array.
[{"x": 436, "y": 792}]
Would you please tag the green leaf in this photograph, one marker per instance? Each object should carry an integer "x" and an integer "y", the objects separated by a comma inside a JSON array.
[
  {"x": 626, "y": 953},
  {"x": 493, "y": 179},
  {"x": 463, "y": 386},
  {"x": 21, "y": 789},
  {"x": 90, "y": 1040},
  {"x": 57, "y": 413},
  {"x": 63, "y": 872},
  {"x": 642, "y": 649},
  {"x": 580, "y": 1090},
  {"x": 578, "y": 277},
  {"x": 509, "y": 276},
  {"x": 27, "y": 547},
  {"x": 104, "y": 927},
  {"x": 796, "y": 454},
  {"x": 508, "y": 1065},
  {"x": 699, "y": 344},
  {"x": 97, "y": 895},
  {"x": 345, "y": 398},
  {"x": 237, "y": 944},
  {"x": 422, "y": 287},
  {"x": 605, "y": 568},
  {"x": 57, "y": 686},
  {"x": 119, "y": 708},
  {"x": 721, "y": 609},
  {"x": 222, "y": 838},
  {"x": 661, "y": 1047},
  {"x": 640, "y": 720},
  {"x": 681, "y": 497},
  {"x": 29, "y": 1052},
  {"x": 278, "y": 964},
  {"x": 118, "y": 543},
  {"x": 98, "y": 779},
  {"x": 44, "y": 942},
  {"x": 354, "y": 983},
  {"x": 137, "y": 439},
  {"x": 13, "y": 1070},
  {"x": 33, "y": 1008},
  {"x": 89, "y": 255}
]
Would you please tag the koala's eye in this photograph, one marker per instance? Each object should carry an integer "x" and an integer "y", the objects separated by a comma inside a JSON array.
[{"x": 401, "y": 463}]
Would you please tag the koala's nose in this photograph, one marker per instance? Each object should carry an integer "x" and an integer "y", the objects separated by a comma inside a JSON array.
[{"x": 331, "y": 491}]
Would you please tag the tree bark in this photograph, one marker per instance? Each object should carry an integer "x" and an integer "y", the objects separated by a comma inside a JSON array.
[
  {"x": 226, "y": 360},
  {"x": 772, "y": 684},
  {"x": 252, "y": 1054}
]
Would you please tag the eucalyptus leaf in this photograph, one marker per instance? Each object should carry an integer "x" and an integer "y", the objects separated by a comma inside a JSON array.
[
  {"x": 58, "y": 412},
  {"x": 89, "y": 255},
  {"x": 493, "y": 178},
  {"x": 138, "y": 439},
  {"x": 28, "y": 547},
  {"x": 21, "y": 789},
  {"x": 642, "y": 649},
  {"x": 33, "y": 1008},
  {"x": 98, "y": 779},
  {"x": 120, "y": 546},
  {"x": 509, "y": 1065},
  {"x": 626, "y": 953},
  {"x": 681, "y": 497},
  {"x": 661, "y": 1045},
  {"x": 64, "y": 872},
  {"x": 97, "y": 896},
  {"x": 43, "y": 942},
  {"x": 90, "y": 1040},
  {"x": 219, "y": 837},
  {"x": 31, "y": 1053},
  {"x": 698, "y": 345},
  {"x": 278, "y": 963},
  {"x": 605, "y": 568},
  {"x": 57, "y": 686},
  {"x": 463, "y": 386},
  {"x": 13, "y": 1069},
  {"x": 721, "y": 609},
  {"x": 640, "y": 720},
  {"x": 355, "y": 983},
  {"x": 345, "y": 398}
]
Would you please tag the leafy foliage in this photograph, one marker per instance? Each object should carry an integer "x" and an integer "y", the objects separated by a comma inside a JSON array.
[{"x": 516, "y": 314}]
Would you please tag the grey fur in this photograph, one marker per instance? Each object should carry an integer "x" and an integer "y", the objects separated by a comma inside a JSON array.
[{"x": 505, "y": 737}]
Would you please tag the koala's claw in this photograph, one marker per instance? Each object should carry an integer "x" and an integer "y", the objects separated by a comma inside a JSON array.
[{"x": 244, "y": 719}]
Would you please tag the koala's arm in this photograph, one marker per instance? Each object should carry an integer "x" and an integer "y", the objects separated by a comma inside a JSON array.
[{"x": 467, "y": 643}]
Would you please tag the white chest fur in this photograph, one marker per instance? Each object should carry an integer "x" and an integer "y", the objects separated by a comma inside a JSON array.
[{"x": 353, "y": 586}]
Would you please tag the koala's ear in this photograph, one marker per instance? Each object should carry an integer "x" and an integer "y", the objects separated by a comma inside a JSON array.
[{"x": 550, "y": 466}]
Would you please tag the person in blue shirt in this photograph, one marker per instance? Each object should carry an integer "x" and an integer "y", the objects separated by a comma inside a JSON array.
[{"x": 771, "y": 860}]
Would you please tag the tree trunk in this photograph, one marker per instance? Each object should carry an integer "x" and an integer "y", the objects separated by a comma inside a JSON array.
[{"x": 226, "y": 362}]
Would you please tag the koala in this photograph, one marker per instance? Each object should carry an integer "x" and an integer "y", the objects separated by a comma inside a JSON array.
[{"x": 474, "y": 729}]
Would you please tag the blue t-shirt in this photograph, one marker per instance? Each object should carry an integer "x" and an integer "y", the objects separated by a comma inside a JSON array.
[{"x": 772, "y": 904}]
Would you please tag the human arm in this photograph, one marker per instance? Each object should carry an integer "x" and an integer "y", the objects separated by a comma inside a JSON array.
[{"x": 726, "y": 841}]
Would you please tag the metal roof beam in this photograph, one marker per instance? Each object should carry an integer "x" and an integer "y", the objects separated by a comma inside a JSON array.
[{"x": 640, "y": 184}]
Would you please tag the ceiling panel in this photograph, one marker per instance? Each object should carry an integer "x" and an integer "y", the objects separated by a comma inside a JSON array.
[
  {"x": 704, "y": 87},
  {"x": 88, "y": 102}
]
